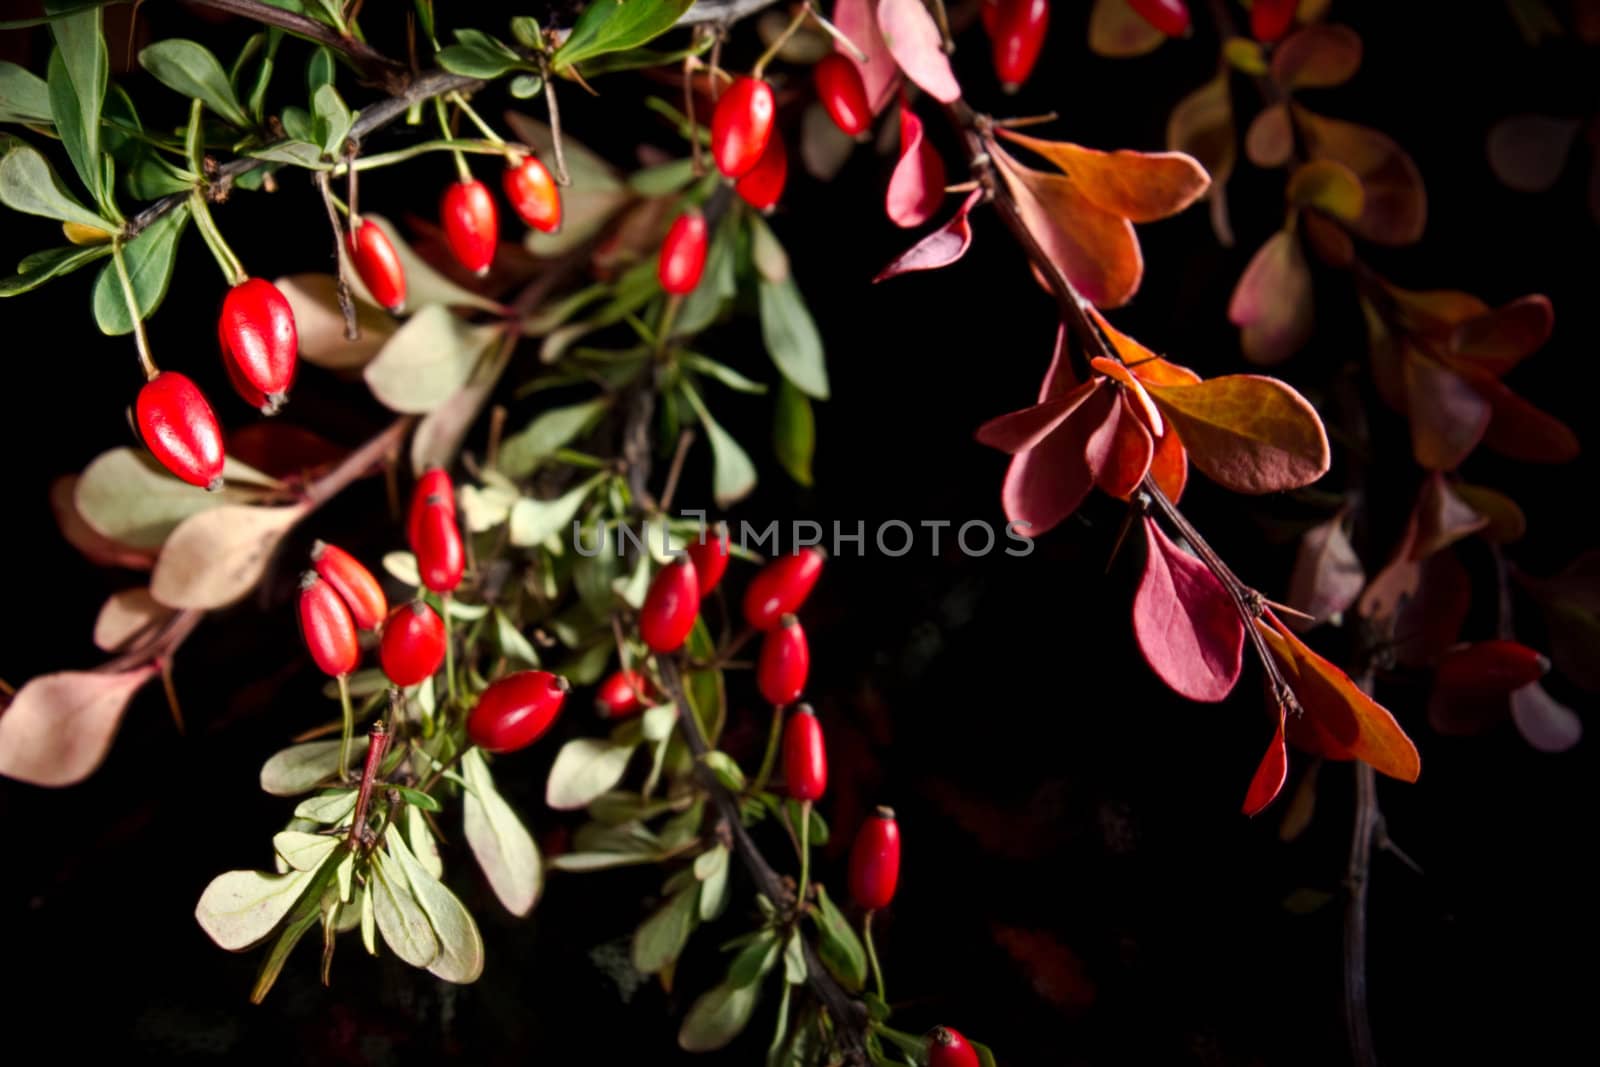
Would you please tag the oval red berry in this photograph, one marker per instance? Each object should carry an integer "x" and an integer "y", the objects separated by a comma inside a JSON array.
[
  {"x": 258, "y": 335},
  {"x": 875, "y": 861},
  {"x": 329, "y": 631},
  {"x": 441, "y": 557},
  {"x": 947, "y": 1048},
  {"x": 762, "y": 185},
  {"x": 843, "y": 94},
  {"x": 710, "y": 554},
  {"x": 180, "y": 429},
  {"x": 534, "y": 195},
  {"x": 670, "y": 606},
  {"x": 623, "y": 693},
  {"x": 471, "y": 224},
  {"x": 780, "y": 587},
  {"x": 515, "y": 711},
  {"x": 361, "y": 592},
  {"x": 741, "y": 125},
  {"x": 805, "y": 758},
  {"x": 434, "y": 485},
  {"x": 683, "y": 254},
  {"x": 785, "y": 662},
  {"x": 1271, "y": 19},
  {"x": 1017, "y": 33},
  {"x": 377, "y": 264},
  {"x": 413, "y": 644}
]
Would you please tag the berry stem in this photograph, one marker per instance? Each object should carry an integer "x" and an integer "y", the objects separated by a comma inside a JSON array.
[
  {"x": 140, "y": 341},
  {"x": 172, "y": 693},
  {"x": 769, "y": 759},
  {"x": 805, "y": 851},
  {"x": 562, "y": 177},
  {"x": 839, "y": 35},
  {"x": 232, "y": 269},
  {"x": 349, "y": 727},
  {"x": 669, "y": 312},
  {"x": 460, "y": 101},
  {"x": 872, "y": 954},
  {"x": 449, "y": 650},
  {"x": 789, "y": 31},
  {"x": 462, "y": 170},
  {"x": 347, "y": 306}
]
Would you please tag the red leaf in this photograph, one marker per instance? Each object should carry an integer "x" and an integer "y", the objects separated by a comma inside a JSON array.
[
  {"x": 1058, "y": 379},
  {"x": 58, "y": 727},
  {"x": 1396, "y": 207},
  {"x": 1022, "y": 430},
  {"x": 1120, "y": 451},
  {"x": 1429, "y": 619},
  {"x": 1327, "y": 575},
  {"x": 1141, "y": 186},
  {"x": 282, "y": 449},
  {"x": 1522, "y": 431},
  {"x": 1187, "y": 625},
  {"x": 879, "y": 74},
  {"x": 1248, "y": 433},
  {"x": 913, "y": 39},
  {"x": 1272, "y": 303},
  {"x": 1169, "y": 467},
  {"x": 1046, "y": 484},
  {"x": 1148, "y": 367},
  {"x": 1135, "y": 391},
  {"x": 1269, "y": 141},
  {"x": 1448, "y": 416},
  {"x": 916, "y": 187},
  {"x": 1498, "y": 341},
  {"x": 1442, "y": 518},
  {"x": 1544, "y": 722},
  {"x": 1054, "y": 970},
  {"x": 1318, "y": 57},
  {"x": 940, "y": 248},
  {"x": 1268, "y": 780}
]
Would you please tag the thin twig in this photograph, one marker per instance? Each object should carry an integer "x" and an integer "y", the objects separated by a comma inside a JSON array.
[{"x": 352, "y": 329}]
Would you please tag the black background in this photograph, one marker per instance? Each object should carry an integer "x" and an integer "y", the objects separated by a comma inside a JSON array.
[{"x": 1079, "y": 886}]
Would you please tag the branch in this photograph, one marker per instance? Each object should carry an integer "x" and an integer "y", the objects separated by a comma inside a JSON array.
[
  {"x": 301, "y": 26},
  {"x": 1368, "y": 820}
]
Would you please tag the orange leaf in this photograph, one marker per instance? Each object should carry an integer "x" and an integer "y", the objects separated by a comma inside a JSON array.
[
  {"x": 1272, "y": 304},
  {"x": 1142, "y": 186},
  {"x": 1249, "y": 433},
  {"x": 1318, "y": 57},
  {"x": 1339, "y": 720},
  {"x": 1145, "y": 364},
  {"x": 1169, "y": 467},
  {"x": 1268, "y": 780},
  {"x": 1121, "y": 374},
  {"x": 1396, "y": 206}
]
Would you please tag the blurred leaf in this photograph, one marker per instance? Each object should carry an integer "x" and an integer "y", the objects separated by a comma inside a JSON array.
[
  {"x": 1248, "y": 433},
  {"x": 1269, "y": 142},
  {"x": 610, "y": 26},
  {"x": 427, "y": 360},
  {"x": 794, "y": 432},
  {"x": 1202, "y": 124},
  {"x": 553, "y": 429},
  {"x": 1507, "y": 523},
  {"x": 1329, "y": 187},
  {"x": 838, "y": 945},
  {"x": 1443, "y": 518},
  {"x": 57, "y": 728},
  {"x": 1522, "y": 431},
  {"x": 1543, "y": 722},
  {"x": 189, "y": 69},
  {"x": 1186, "y": 624},
  {"x": 733, "y": 474},
  {"x": 1529, "y": 152},
  {"x": 1319, "y": 56},
  {"x": 1396, "y": 207},
  {"x": 1448, "y": 415},
  {"x": 1327, "y": 575},
  {"x": 1273, "y": 303},
  {"x": 717, "y": 1017},
  {"x": 660, "y": 939},
  {"x": 913, "y": 40},
  {"x": 125, "y": 616},
  {"x": 217, "y": 556},
  {"x": 585, "y": 768},
  {"x": 319, "y": 323},
  {"x": 1117, "y": 31},
  {"x": 1497, "y": 341},
  {"x": 791, "y": 337},
  {"x": 41, "y": 267},
  {"x": 479, "y": 55},
  {"x": 535, "y": 521},
  {"x": 424, "y": 285}
]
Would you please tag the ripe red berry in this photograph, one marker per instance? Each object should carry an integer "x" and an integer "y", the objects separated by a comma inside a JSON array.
[
  {"x": 258, "y": 336},
  {"x": 441, "y": 557},
  {"x": 178, "y": 426},
  {"x": 683, "y": 254},
  {"x": 780, "y": 587},
  {"x": 762, "y": 184},
  {"x": 329, "y": 631},
  {"x": 1017, "y": 30},
  {"x": 1271, "y": 19},
  {"x": 377, "y": 263},
  {"x": 843, "y": 94},
  {"x": 413, "y": 643},
  {"x": 622, "y": 694},
  {"x": 710, "y": 554},
  {"x": 670, "y": 606},
  {"x": 785, "y": 662},
  {"x": 533, "y": 194},
  {"x": 434, "y": 485},
  {"x": 875, "y": 861},
  {"x": 1171, "y": 17},
  {"x": 471, "y": 224},
  {"x": 741, "y": 125},
  {"x": 947, "y": 1048},
  {"x": 361, "y": 592},
  {"x": 515, "y": 711},
  {"x": 805, "y": 759}
]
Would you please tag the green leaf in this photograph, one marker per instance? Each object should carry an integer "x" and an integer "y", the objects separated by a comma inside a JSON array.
[
  {"x": 985, "y": 1055},
  {"x": 513, "y": 645},
  {"x": 755, "y": 960},
  {"x": 240, "y": 908},
  {"x": 663, "y": 179},
  {"x": 502, "y": 845},
  {"x": 717, "y": 1017},
  {"x": 660, "y": 939},
  {"x": 302, "y": 768},
  {"x": 150, "y": 258},
  {"x": 427, "y": 360},
  {"x": 418, "y": 799},
  {"x": 401, "y": 920},
  {"x": 28, "y": 185},
  {"x": 460, "y": 957},
  {"x": 420, "y": 838},
  {"x": 794, "y": 432},
  {"x": 791, "y": 337},
  {"x": 320, "y": 70},
  {"x": 525, "y": 28},
  {"x": 585, "y": 768},
  {"x": 330, "y": 808},
  {"x": 838, "y": 945},
  {"x": 719, "y": 284},
  {"x": 40, "y": 267},
  {"x": 77, "y": 83},
  {"x": 152, "y": 177},
  {"x": 534, "y": 521},
  {"x": 526, "y": 86},
  {"x": 189, "y": 68},
  {"x": 722, "y": 373},
  {"x": 733, "y": 475},
  {"x": 24, "y": 97},
  {"x": 333, "y": 120},
  {"x": 711, "y": 867},
  {"x": 303, "y": 851},
  {"x": 479, "y": 55},
  {"x": 766, "y": 253},
  {"x": 553, "y": 429},
  {"x": 794, "y": 959},
  {"x": 615, "y": 25},
  {"x": 128, "y": 498}
]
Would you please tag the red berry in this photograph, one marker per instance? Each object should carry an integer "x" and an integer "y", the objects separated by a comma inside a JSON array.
[
  {"x": 515, "y": 711},
  {"x": 361, "y": 592},
  {"x": 622, "y": 694},
  {"x": 741, "y": 125},
  {"x": 875, "y": 861},
  {"x": 683, "y": 254},
  {"x": 947, "y": 1048},
  {"x": 533, "y": 194},
  {"x": 178, "y": 426},
  {"x": 441, "y": 557},
  {"x": 762, "y": 185},
  {"x": 434, "y": 485},
  {"x": 843, "y": 94},
  {"x": 1171, "y": 17},
  {"x": 471, "y": 224},
  {"x": 413, "y": 644},
  {"x": 805, "y": 760},
  {"x": 710, "y": 555},
  {"x": 329, "y": 631},
  {"x": 780, "y": 587},
  {"x": 243, "y": 386},
  {"x": 1271, "y": 19},
  {"x": 258, "y": 335},
  {"x": 377, "y": 263},
  {"x": 670, "y": 606},
  {"x": 785, "y": 662},
  {"x": 1017, "y": 32}
]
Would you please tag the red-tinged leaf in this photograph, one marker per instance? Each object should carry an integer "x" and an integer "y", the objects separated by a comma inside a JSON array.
[
  {"x": 1022, "y": 430},
  {"x": 1117, "y": 31},
  {"x": 1435, "y": 311},
  {"x": 1529, "y": 152},
  {"x": 1059, "y": 378},
  {"x": 916, "y": 188},
  {"x": 1443, "y": 518},
  {"x": 1498, "y": 665},
  {"x": 1497, "y": 342},
  {"x": 1448, "y": 415},
  {"x": 1388, "y": 351},
  {"x": 940, "y": 248},
  {"x": 1141, "y": 186},
  {"x": 58, "y": 727},
  {"x": 1396, "y": 581},
  {"x": 1148, "y": 367},
  {"x": 95, "y": 546},
  {"x": 1318, "y": 57},
  {"x": 1328, "y": 186},
  {"x": 1330, "y": 241},
  {"x": 126, "y": 616},
  {"x": 1327, "y": 576},
  {"x": 1269, "y": 142},
  {"x": 879, "y": 73},
  {"x": 1202, "y": 126},
  {"x": 1521, "y": 431},
  {"x": 1187, "y": 625},
  {"x": 1506, "y": 523},
  {"x": 282, "y": 449},
  {"x": 913, "y": 39},
  {"x": 1248, "y": 433},
  {"x": 1429, "y": 621},
  {"x": 1396, "y": 207},
  {"x": 1045, "y": 484},
  {"x": 1096, "y": 250},
  {"x": 1120, "y": 451},
  {"x": 1169, "y": 467},
  {"x": 1544, "y": 722},
  {"x": 1272, "y": 304},
  {"x": 1267, "y": 782},
  {"x": 1337, "y": 718},
  {"x": 1137, "y": 395}
]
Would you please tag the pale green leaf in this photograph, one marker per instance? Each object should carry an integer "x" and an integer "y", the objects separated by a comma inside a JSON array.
[
  {"x": 553, "y": 429},
  {"x": 460, "y": 957},
  {"x": 502, "y": 845},
  {"x": 427, "y": 360},
  {"x": 660, "y": 938},
  {"x": 585, "y": 768},
  {"x": 240, "y": 908},
  {"x": 302, "y": 768},
  {"x": 303, "y": 851},
  {"x": 794, "y": 432},
  {"x": 533, "y": 521},
  {"x": 28, "y": 185},
  {"x": 717, "y": 1017},
  {"x": 400, "y": 919},
  {"x": 189, "y": 69},
  {"x": 733, "y": 474},
  {"x": 330, "y": 809},
  {"x": 791, "y": 337}
]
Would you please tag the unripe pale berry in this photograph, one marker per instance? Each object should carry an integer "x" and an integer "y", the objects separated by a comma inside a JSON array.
[
  {"x": 180, "y": 429},
  {"x": 670, "y": 607},
  {"x": 623, "y": 693},
  {"x": 843, "y": 94},
  {"x": 947, "y": 1048},
  {"x": 741, "y": 125},
  {"x": 683, "y": 254},
  {"x": 515, "y": 711},
  {"x": 762, "y": 185},
  {"x": 441, "y": 557},
  {"x": 533, "y": 194},
  {"x": 785, "y": 662},
  {"x": 875, "y": 861},
  {"x": 413, "y": 644},
  {"x": 326, "y": 624},
  {"x": 353, "y": 582},
  {"x": 780, "y": 587},
  {"x": 377, "y": 263},
  {"x": 710, "y": 554},
  {"x": 471, "y": 224},
  {"x": 258, "y": 337},
  {"x": 805, "y": 759}
]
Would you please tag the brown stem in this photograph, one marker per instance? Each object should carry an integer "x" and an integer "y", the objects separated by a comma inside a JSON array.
[
  {"x": 347, "y": 306},
  {"x": 377, "y": 745},
  {"x": 310, "y": 29},
  {"x": 1368, "y": 820}
]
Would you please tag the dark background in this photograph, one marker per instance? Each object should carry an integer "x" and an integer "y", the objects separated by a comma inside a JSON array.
[{"x": 1079, "y": 886}]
